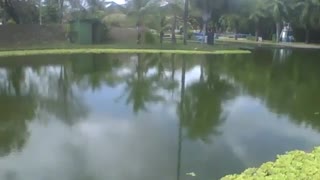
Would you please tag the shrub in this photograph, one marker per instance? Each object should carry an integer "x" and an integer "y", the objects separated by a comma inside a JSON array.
[
  {"x": 11, "y": 21},
  {"x": 149, "y": 38},
  {"x": 115, "y": 20},
  {"x": 274, "y": 38},
  {"x": 293, "y": 165},
  {"x": 251, "y": 38}
]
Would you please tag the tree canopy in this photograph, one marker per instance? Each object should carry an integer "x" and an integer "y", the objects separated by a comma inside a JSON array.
[{"x": 260, "y": 17}]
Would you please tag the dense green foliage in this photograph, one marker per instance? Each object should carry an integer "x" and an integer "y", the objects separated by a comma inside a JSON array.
[
  {"x": 293, "y": 165},
  {"x": 260, "y": 17}
]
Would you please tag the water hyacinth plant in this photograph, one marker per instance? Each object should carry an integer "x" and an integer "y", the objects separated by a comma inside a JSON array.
[{"x": 293, "y": 165}]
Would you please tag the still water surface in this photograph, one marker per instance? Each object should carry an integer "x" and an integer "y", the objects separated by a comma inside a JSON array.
[{"x": 142, "y": 117}]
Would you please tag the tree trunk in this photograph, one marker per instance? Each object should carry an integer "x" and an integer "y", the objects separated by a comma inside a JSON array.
[
  {"x": 61, "y": 3},
  {"x": 235, "y": 34},
  {"x": 161, "y": 38},
  {"x": 257, "y": 33},
  {"x": 307, "y": 36},
  {"x": 185, "y": 22},
  {"x": 11, "y": 11},
  {"x": 139, "y": 29},
  {"x": 161, "y": 30},
  {"x": 204, "y": 32},
  {"x": 278, "y": 26},
  {"x": 173, "y": 29},
  {"x": 4, "y": 17}
]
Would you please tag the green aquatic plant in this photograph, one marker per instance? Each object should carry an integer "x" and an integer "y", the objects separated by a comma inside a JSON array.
[
  {"x": 100, "y": 51},
  {"x": 293, "y": 165}
]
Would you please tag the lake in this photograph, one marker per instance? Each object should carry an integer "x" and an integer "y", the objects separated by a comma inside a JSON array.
[{"x": 155, "y": 116}]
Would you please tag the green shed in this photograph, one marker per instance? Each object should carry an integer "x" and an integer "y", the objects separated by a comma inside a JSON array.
[{"x": 86, "y": 31}]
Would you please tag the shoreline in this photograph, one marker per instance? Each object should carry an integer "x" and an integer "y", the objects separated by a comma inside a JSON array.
[
  {"x": 270, "y": 44},
  {"x": 10, "y": 53}
]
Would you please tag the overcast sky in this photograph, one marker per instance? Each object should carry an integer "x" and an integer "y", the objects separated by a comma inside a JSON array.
[{"x": 119, "y": 1}]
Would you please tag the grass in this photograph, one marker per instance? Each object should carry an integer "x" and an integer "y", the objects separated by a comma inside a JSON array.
[
  {"x": 66, "y": 48},
  {"x": 270, "y": 43},
  {"x": 166, "y": 46},
  {"x": 100, "y": 51},
  {"x": 293, "y": 165}
]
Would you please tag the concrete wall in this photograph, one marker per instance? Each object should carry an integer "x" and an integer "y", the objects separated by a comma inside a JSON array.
[
  {"x": 123, "y": 35},
  {"x": 29, "y": 34}
]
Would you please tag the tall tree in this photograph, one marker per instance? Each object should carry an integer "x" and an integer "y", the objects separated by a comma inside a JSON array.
[
  {"x": 278, "y": 10},
  {"x": 206, "y": 7},
  {"x": 309, "y": 15},
  {"x": 231, "y": 22},
  {"x": 138, "y": 8},
  {"x": 176, "y": 7},
  {"x": 257, "y": 12},
  {"x": 9, "y": 9}
]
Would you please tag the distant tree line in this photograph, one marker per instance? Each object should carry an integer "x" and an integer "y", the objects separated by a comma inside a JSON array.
[{"x": 259, "y": 17}]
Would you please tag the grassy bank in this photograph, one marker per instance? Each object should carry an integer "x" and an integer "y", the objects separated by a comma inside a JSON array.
[
  {"x": 99, "y": 51},
  {"x": 165, "y": 46},
  {"x": 293, "y": 165},
  {"x": 66, "y": 48},
  {"x": 270, "y": 43}
]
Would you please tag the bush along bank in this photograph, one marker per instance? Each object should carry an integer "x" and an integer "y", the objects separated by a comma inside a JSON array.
[{"x": 291, "y": 166}]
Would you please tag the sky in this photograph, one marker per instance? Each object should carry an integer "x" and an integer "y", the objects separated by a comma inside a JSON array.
[{"x": 119, "y": 1}]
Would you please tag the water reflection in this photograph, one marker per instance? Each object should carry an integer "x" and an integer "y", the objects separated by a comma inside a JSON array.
[
  {"x": 280, "y": 55},
  {"x": 289, "y": 89},
  {"x": 203, "y": 100},
  {"x": 141, "y": 87},
  {"x": 153, "y": 116}
]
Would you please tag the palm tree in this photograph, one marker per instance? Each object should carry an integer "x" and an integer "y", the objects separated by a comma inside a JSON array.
[
  {"x": 138, "y": 8},
  {"x": 206, "y": 7},
  {"x": 257, "y": 13},
  {"x": 231, "y": 21},
  {"x": 309, "y": 16},
  {"x": 175, "y": 8},
  {"x": 278, "y": 10}
]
